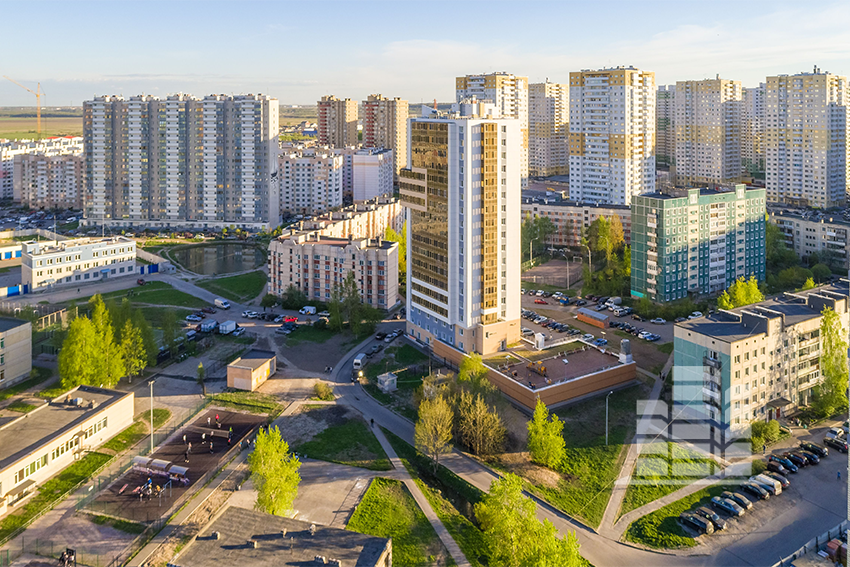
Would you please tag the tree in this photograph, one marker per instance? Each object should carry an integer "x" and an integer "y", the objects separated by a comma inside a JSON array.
[
  {"x": 741, "y": 292},
  {"x": 810, "y": 284},
  {"x": 832, "y": 392},
  {"x": 293, "y": 298},
  {"x": 401, "y": 238},
  {"x": 80, "y": 348},
  {"x": 545, "y": 437},
  {"x": 778, "y": 256},
  {"x": 200, "y": 379},
  {"x": 148, "y": 338},
  {"x": 821, "y": 272},
  {"x": 268, "y": 300},
  {"x": 335, "y": 321},
  {"x": 109, "y": 363},
  {"x": 169, "y": 328},
  {"x": 599, "y": 237},
  {"x": 472, "y": 368},
  {"x": 535, "y": 231},
  {"x": 515, "y": 537},
  {"x": 479, "y": 427},
  {"x": 433, "y": 433},
  {"x": 133, "y": 350},
  {"x": 275, "y": 472},
  {"x": 617, "y": 236}
]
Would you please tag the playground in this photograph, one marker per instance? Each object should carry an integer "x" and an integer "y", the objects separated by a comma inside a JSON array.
[{"x": 149, "y": 488}]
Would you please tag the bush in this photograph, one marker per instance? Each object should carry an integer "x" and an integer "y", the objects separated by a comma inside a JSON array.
[
  {"x": 759, "y": 466},
  {"x": 321, "y": 323},
  {"x": 323, "y": 391}
]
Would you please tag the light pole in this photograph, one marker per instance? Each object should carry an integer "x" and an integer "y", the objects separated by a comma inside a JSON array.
[
  {"x": 606, "y": 416},
  {"x": 150, "y": 383},
  {"x": 589, "y": 263}
]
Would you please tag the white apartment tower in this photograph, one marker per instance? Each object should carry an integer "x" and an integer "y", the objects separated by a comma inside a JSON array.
[
  {"x": 708, "y": 132},
  {"x": 337, "y": 122},
  {"x": 548, "y": 129},
  {"x": 47, "y": 148},
  {"x": 385, "y": 126},
  {"x": 509, "y": 93},
  {"x": 182, "y": 161},
  {"x": 310, "y": 181},
  {"x": 665, "y": 126},
  {"x": 806, "y": 146},
  {"x": 461, "y": 191},
  {"x": 752, "y": 132},
  {"x": 612, "y": 135}
]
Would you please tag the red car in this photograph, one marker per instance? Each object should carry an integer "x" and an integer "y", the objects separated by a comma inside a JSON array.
[
  {"x": 540, "y": 302},
  {"x": 290, "y": 319}
]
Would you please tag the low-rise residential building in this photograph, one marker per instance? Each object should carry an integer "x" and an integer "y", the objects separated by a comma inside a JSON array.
[
  {"x": 696, "y": 241},
  {"x": 39, "y": 444},
  {"x": 760, "y": 362},
  {"x": 310, "y": 181},
  {"x": 49, "y": 182},
  {"x": 15, "y": 352},
  {"x": 808, "y": 232},
  {"x": 9, "y": 149},
  {"x": 317, "y": 265},
  {"x": 372, "y": 173},
  {"x": 571, "y": 219},
  {"x": 68, "y": 262},
  {"x": 362, "y": 220},
  {"x": 251, "y": 370}
]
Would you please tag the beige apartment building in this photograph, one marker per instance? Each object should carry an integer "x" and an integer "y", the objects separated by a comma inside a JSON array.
[
  {"x": 385, "y": 126},
  {"x": 548, "y": 129},
  {"x": 665, "y": 126},
  {"x": 49, "y": 182},
  {"x": 752, "y": 132},
  {"x": 317, "y": 265},
  {"x": 80, "y": 260},
  {"x": 362, "y": 220},
  {"x": 337, "y": 122},
  {"x": 708, "y": 132},
  {"x": 310, "y": 181},
  {"x": 810, "y": 232},
  {"x": 572, "y": 219},
  {"x": 15, "y": 352}
]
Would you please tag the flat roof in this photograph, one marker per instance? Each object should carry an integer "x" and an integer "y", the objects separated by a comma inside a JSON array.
[
  {"x": 236, "y": 526},
  {"x": 580, "y": 363},
  {"x": 26, "y": 434},
  {"x": 253, "y": 359},
  {"x": 8, "y": 323}
]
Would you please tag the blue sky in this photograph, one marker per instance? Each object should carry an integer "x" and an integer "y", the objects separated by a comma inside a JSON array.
[{"x": 298, "y": 51}]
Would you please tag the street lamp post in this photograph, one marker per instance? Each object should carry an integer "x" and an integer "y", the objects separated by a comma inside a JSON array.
[
  {"x": 150, "y": 383},
  {"x": 606, "y": 416}
]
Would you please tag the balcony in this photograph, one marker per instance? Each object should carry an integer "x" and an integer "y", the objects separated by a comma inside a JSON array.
[
  {"x": 711, "y": 394},
  {"x": 712, "y": 362}
]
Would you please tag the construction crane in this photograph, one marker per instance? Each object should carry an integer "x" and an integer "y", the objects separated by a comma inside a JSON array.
[{"x": 38, "y": 95}]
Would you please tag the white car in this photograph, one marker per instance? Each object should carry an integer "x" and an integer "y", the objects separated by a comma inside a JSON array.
[
  {"x": 193, "y": 318},
  {"x": 279, "y": 319},
  {"x": 658, "y": 321},
  {"x": 588, "y": 337},
  {"x": 250, "y": 314},
  {"x": 695, "y": 315}
]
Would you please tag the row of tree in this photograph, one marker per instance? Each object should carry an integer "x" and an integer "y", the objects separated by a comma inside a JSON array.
[
  {"x": 346, "y": 306},
  {"x": 535, "y": 232}
]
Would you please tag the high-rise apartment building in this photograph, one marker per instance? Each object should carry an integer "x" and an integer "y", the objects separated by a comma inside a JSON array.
[
  {"x": 752, "y": 132},
  {"x": 696, "y": 242},
  {"x": 49, "y": 147},
  {"x": 509, "y": 94},
  {"x": 708, "y": 132},
  {"x": 462, "y": 194},
  {"x": 612, "y": 135},
  {"x": 372, "y": 173},
  {"x": 182, "y": 161},
  {"x": 385, "y": 126},
  {"x": 665, "y": 126},
  {"x": 806, "y": 149},
  {"x": 49, "y": 182},
  {"x": 310, "y": 181},
  {"x": 548, "y": 129},
  {"x": 337, "y": 122}
]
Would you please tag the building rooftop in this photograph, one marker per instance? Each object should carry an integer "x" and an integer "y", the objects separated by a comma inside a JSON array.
[
  {"x": 298, "y": 547},
  {"x": 682, "y": 192},
  {"x": 26, "y": 434},
  {"x": 840, "y": 217},
  {"x": 312, "y": 236},
  {"x": 554, "y": 200},
  {"x": 253, "y": 359},
  {"x": 7, "y": 323},
  {"x": 579, "y": 365},
  {"x": 36, "y": 248}
]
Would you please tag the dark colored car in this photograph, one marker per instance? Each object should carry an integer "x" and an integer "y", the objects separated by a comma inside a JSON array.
[
  {"x": 380, "y": 336},
  {"x": 208, "y": 310},
  {"x": 581, "y": 302},
  {"x": 697, "y": 523},
  {"x": 776, "y": 476},
  {"x": 773, "y": 466},
  {"x": 727, "y": 506},
  {"x": 818, "y": 450},
  {"x": 712, "y": 516},
  {"x": 789, "y": 466},
  {"x": 797, "y": 459},
  {"x": 738, "y": 499},
  {"x": 839, "y": 445},
  {"x": 811, "y": 457},
  {"x": 755, "y": 490},
  {"x": 637, "y": 317}
]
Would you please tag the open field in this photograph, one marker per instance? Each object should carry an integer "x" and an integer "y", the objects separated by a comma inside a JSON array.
[
  {"x": 25, "y": 127},
  {"x": 241, "y": 288},
  {"x": 350, "y": 443}
]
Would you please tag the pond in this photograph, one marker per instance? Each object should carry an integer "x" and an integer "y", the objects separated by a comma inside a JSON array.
[{"x": 219, "y": 258}]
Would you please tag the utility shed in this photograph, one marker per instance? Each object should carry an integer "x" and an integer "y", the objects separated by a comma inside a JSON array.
[
  {"x": 595, "y": 318},
  {"x": 250, "y": 371}
]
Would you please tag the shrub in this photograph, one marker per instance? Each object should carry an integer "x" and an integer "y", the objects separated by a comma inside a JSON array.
[
  {"x": 759, "y": 466},
  {"x": 323, "y": 391}
]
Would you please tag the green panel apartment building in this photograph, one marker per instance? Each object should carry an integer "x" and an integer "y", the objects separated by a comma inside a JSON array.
[{"x": 697, "y": 242}]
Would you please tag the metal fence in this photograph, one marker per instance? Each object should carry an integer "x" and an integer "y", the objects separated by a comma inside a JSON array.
[
  {"x": 53, "y": 549},
  {"x": 816, "y": 544}
]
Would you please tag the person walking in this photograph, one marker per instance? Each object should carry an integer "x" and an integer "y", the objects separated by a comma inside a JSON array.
[
  {"x": 184, "y": 438},
  {"x": 186, "y": 456},
  {"x": 211, "y": 447},
  {"x": 189, "y": 449},
  {"x": 839, "y": 475},
  {"x": 764, "y": 449},
  {"x": 209, "y": 419}
]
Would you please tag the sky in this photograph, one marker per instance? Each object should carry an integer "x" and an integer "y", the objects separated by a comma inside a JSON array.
[{"x": 299, "y": 51}]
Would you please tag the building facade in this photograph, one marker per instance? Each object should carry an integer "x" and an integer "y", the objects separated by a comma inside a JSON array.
[
  {"x": 385, "y": 126},
  {"x": 757, "y": 362},
  {"x": 49, "y": 182},
  {"x": 372, "y": 173},
  {"x": 665, "y": 126},
  {"x": 317, "y": 265},
  {"x": 81, "y": 260},
  {"x": 805, "y": 140},
  {"x": 15, "y": 352},
  {"x": 310, "y": 181},
  {"x": 612, "y": 135},
  {"x": 362, "y": 220},
  {"x": 50, "y": 147},
  {"x": 509, "y": 94},
  {"x": 708, "y": 132},
  {"x": 752, "y": 132},
  {"x": 182, "y": 162},
  {"x": 462, "y": 192},
  {"x": 548, "y": 129},
  {"x": 697, "y": 243},
  {"x": 808, "y": 232},
  {"x": 572, "y": 219},
  {"x": 337, "y": 122}
]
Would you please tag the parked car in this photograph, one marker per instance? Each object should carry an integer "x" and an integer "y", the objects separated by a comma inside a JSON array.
[
  {"x": 738, "y": 499},
  {"x": 711, "y": 515},
  {"x": 600, "y": 342},
  {"x": 375, "y": 350},
  {"x": 209, "y": 310},
  {"x": 781, "y": 479},
  {"x": 785, "y": 462},
  {"x": 727, "y": 505},
  {"x": 697, "y": 523},
  {"x": 541, "y": 302},
  {"x": 279, "y": 319},
  {"x": 581, "y": 302},
  {"x": 328, "y": 314},
  {"x": 680, "y": 319},
  {"x": 695, "y": 315},
  {"x": 836, "y": 443},
  {"x": 239, "y": 332},
  {"x": 141, "y": 281},
  {"x": 587, "y": 337},
  {"x": 193, "y": 318},
  {"x": 290, "y": 319},
  {"x": 796, "y": 458},
  {"x": 835, "y": 432},
  {"x": 775, "y": 467},
  {"x": 756, "y": 490},
  {"x": 637, "y": 317},
  {"x": 771, "y": 485},
  {"x": 818, "y": 450},
  {"x": 658, "y": 321}
]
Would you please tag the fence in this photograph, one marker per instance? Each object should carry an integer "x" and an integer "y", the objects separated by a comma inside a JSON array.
[
  {"x": 816, "y": 544},
  {"x": 53, "y": 549}
]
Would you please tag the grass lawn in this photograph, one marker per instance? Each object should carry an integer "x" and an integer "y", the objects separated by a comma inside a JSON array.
[
  {"x": 155, "y": 293},
  {"x": 121, "y": 525},
  {"x": 128, "y": 437},
  {"x": 407, "y": 355},
  {"x": 160, "y": 416},
  {"x": 154, "y": 315},
  {"x": 400, "y": 401},
  {"x": 470, "y": 539},
  {"x": 21, "y": 406},
  {"x": 348, "y": 444},
  {"x": 666, "y": 348},
  {"x": 388, "y": 510},
  {"x": 308, "y": 334},
  {"x": 242, "y": 288},
  {"x": 38, "y": 375},
  {"x": 527, "y": 285},
  {"x": 663, "y": 468},
  {"x": 253, "y": 402},
  {"x": 53, "y": 490},
  {"x": 661, "y": 529},
  {"x": 24, "y": 127}
]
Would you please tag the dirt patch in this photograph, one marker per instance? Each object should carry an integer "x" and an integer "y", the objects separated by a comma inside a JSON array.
[
  {"x": 315, "y": 356},
  {"x": 520, "y": 464},
  {"x": 310, "y": 421}
]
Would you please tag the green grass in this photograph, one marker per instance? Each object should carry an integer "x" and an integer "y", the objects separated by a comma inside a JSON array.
[
  {"x": 241, "y": 288},
  {"x": 37, "y": 376},
  {"x": 21, "y": 406},
  {"x": 388, "y": 510},
  {"x": 69, "y": 226},
  {"x": 309, "y": 334},
  {"x": 160, "y": 416},
  {"x": 154, "y": 315},
  {"x": 470, "y": 539},
  {"x": 527, "y": 285},
  {"x": 407, "y": 355},
  {"x": 661, "y": 529},
  {"x": 253, "y": 402},
  {"x": 52, "y": 490},
  {"x": 121, "y": 525},
  {"x": 655, "y": 466},
  {"x": 128, "y": 437},
  {"x": 351, "y": 443},
  {"x": 666, "y": 348},
  {"x": 156, "y": 293}
]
